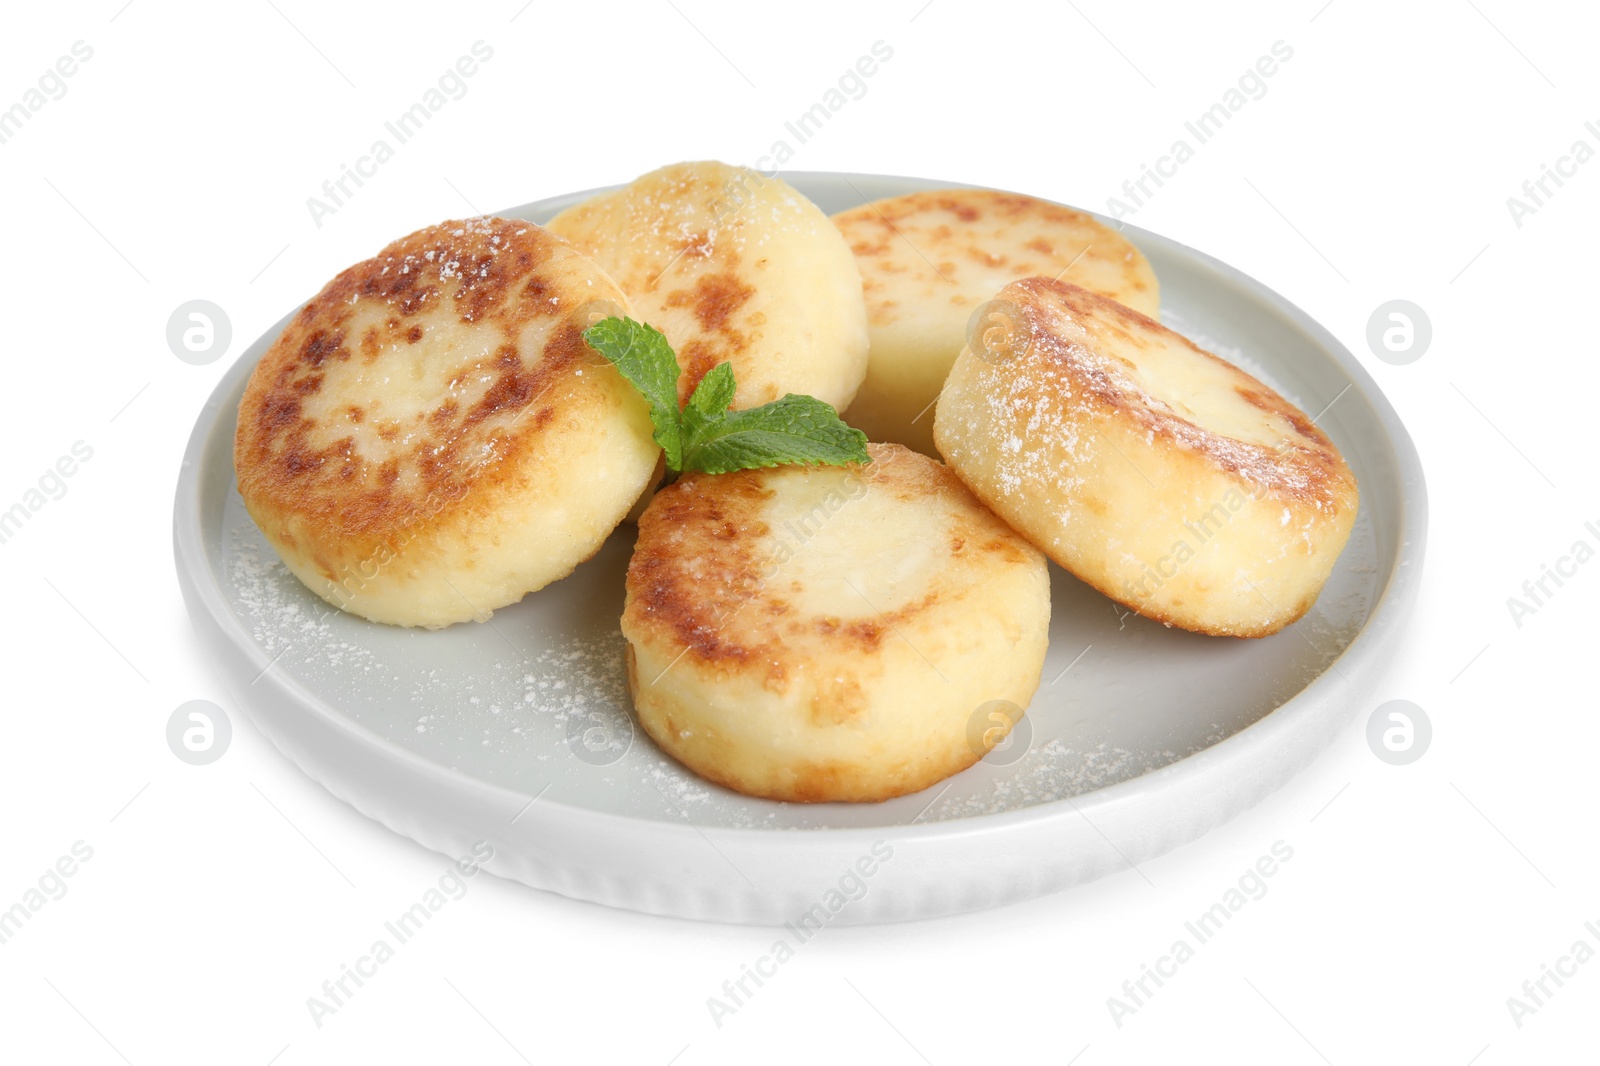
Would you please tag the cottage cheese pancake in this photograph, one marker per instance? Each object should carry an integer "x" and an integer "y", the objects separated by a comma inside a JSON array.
[
  {"x": 430, "y": 438},
  {"x": 831, "y": 633},
  {"x": 733, "y": 267},
  {"x": 1167, "y": 478},
  {"x": 930, "y": 259}
]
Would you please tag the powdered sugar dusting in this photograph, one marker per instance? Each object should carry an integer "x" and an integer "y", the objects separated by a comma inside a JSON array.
[
  {"x": 282, "y": 615},
  {"x": 1054, "y": 770}
]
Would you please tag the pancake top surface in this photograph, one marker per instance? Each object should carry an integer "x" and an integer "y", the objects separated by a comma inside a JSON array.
[
  {"x": 956, "y": 247},
  {"x": 772, "y": 569},
  {"x": 692, "y": 244},
  {"x": 1065, "y": 346},
  {"x": 412, "y": 380}
]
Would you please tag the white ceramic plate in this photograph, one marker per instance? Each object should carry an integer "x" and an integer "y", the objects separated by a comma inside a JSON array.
[{"x": 518, "y": 732}]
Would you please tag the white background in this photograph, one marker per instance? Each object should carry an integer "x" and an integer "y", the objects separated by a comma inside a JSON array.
[{"x": 1377, "y": 166}]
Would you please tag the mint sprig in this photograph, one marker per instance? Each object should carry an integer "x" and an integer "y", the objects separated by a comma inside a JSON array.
[
  {"x": 645, "y": 359},
  {"x": 704, "y": 434}
]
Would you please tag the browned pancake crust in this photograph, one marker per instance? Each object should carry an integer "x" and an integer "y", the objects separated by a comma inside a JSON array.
[
  {"x": 876, "y": 239},
  {"x": 1304, "y": 467},
  {"x": 697, "y": 575},
  {"x": 495, "y": 274},
  {"x": 715, "y": 291}
]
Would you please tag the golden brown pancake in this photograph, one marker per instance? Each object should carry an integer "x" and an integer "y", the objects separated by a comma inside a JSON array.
[
  {"x": 831, "y": 633},
  {"x": 430, "y": 438},
  {"x": 733, "y": 267},
  {"x": 1167, "y": 478},
  {"x": 930, "y": 259}
]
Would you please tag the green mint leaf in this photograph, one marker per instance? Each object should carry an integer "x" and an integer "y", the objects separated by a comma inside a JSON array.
[
  {"x": 704, "y": 435},
  {"x": 714, "y": 395},
  {"x": 644, "y": 357},
  {"x": 795, "y": 429}
]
